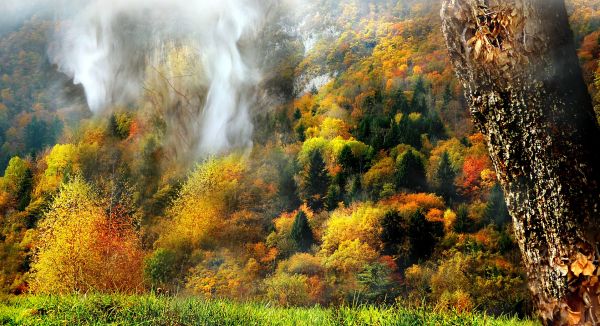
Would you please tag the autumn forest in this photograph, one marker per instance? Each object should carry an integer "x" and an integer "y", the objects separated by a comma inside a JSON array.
[{"x": 299, "y": 154}]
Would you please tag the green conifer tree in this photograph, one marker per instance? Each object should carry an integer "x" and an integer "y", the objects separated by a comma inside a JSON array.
[
  {"x": 316, "y": 181},
  {"x": 410, "y": 172},
  {"x": 301, "y": 232},
  {"x": 462, "y": 223},
  {"x": 445, "y": 176}
]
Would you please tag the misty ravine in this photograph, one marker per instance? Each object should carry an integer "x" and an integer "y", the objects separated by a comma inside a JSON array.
[{"x": 109, "y": 47}]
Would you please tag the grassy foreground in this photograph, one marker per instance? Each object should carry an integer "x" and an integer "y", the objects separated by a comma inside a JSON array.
[{"x": 152, "y": 310}]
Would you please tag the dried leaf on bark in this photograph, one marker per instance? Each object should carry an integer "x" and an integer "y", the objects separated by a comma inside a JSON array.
[{"x": 582, "y": 266}]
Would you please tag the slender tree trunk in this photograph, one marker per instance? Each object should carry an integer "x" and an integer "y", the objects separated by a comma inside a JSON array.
[{"x": 516, "y": 60}]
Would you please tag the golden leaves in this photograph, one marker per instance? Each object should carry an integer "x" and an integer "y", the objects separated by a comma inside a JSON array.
[
  {"x": 583, "y": 283},
  {"x": 581, "y": 307},
  {"x": 582, "y": 265}
]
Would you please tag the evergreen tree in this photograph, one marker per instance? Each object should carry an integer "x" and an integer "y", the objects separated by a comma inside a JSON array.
[
  {"x": 462, "y": 223},
  {"x": 399, "y": 103},
  {"x": 314, "y": 90},
  {"x": 34, "y": 135},
  {"x": 445, "y": 176},
  {"x": 301, "y": 232},
  {"x": 288, "y": 190},
  {"x": 24, "y": 191},
  {"x": 297, "y": 114},
  {"x": 119, "y": 125},
  {"x": 373, "y": 103},
  {"x": 419, "y": 100},
  {"x": 410, "y": 171},
  {"x": 39, "y": 134},
  {"x": 356, "y": 191},
  {"x": 423, "y": 235},
  {"x": 300, "y": 130},
  {"x": 409, "y": 239},
  {"x": 316, "y": 181},
  {"x": 389, "y": 135},
  {"x": 434, "y": 126},
  {"x": 448, "y": 96},
  {"x": 379, "y": 128},
  {"x": 149, "y": 172},
  {"x": 160, "y": 268},
  {"x": 393, "y": 136},
  {"x": 347, "y": 160},
  {"x": 363, "y": 132},
  {"x": 333, "y": 196},
  {"x": 18, "y": 182},
  {"x": 113, "y": 126},
  {"x": 496, "y": 211},
  {"x": 393, "y": 233},
  {"x": 377, "y": 283},
  {"x": 408, "y": 132}
]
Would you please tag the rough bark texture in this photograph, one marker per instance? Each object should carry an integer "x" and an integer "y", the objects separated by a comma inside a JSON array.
[{"x": 516, "y": 60}]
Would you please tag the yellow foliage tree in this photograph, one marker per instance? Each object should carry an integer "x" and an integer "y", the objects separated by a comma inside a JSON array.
[
  {"x": 379, "y": 174},
  {"x": 213, "y": 207},
  {"x": 360, "y": 222},
  {"x": 81, "y": 250},
  {"x": 62, "y": 160},
  {"x": 197, "y": 213},
  {"x": 332, "y": 128},
  {"x": 229, "y": 279},
  {"x": 351, "y": 257}
]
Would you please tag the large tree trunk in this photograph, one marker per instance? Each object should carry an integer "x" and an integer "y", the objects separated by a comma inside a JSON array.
[{"x": 516, "y": 60}]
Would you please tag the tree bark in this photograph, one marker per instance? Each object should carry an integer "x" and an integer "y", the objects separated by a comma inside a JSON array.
[{"x": 516, "y": 60}]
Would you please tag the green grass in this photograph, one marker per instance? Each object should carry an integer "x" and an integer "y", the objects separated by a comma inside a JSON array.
[{"x": 153, "y": 310}]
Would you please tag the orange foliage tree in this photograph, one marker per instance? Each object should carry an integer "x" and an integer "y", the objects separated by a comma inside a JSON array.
[{"x": 81, "y": 248}]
